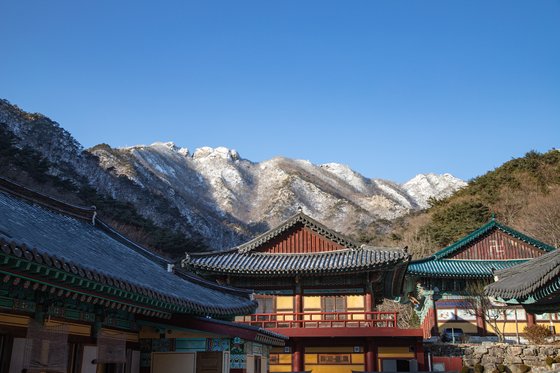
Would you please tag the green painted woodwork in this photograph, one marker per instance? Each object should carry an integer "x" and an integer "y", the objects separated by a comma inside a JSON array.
[{"x": 190, "y": 344}]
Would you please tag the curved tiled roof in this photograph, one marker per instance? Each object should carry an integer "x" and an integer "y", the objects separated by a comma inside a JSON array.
[
  {"x": 459, "y": 268},
  {"x": 280, "y": 264},
  {"x": 438, "y": 265},
  {"x": 528, "y": 282},
  {"x": 112, "y": 268}
]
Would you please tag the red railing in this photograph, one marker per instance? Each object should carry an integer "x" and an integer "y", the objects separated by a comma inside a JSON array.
[{"x": 322, "y": 320}]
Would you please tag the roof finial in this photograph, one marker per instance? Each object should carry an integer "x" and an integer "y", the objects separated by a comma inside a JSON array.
[
  {"x": 493, "y": 216},
  {"x": 300, "y": 209},
  {"x": 94, "y": 216}
]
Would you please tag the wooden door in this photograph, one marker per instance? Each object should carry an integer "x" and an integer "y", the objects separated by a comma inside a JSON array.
[{"x": 209, "y": 362}]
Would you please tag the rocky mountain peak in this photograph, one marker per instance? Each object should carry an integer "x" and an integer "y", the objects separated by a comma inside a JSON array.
[
  {"x": 422, "y": 187},
  {"x": 219, "y": 152}
]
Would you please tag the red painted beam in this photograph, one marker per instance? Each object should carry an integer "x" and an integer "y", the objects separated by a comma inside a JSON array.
[{"x": 348, "y": 332}]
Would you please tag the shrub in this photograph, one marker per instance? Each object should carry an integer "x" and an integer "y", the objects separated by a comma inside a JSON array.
[
  {"x": 501, "y": 368},
  {"x": 465, "y": 369},
  {"x": 537, "y": 334},
  {"x": 524, "y": 368},
  {"x": 549, "y": 360},
  {"x": 478, "y": 368}
]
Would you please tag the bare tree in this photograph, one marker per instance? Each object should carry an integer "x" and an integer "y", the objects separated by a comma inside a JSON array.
[
  {"x": 478, "y": 304},
  {"x": 406, "y": 318},
  {"x": 542, "y": 217}
]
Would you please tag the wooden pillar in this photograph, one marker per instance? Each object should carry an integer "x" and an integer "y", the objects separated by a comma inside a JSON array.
[
  {"x": 298, "y": 305},
  {"x": 369, "y": 302},
  {"x": 480, "y": 324},
  {"x": 530, "y": 319},
  {"x": 420, "y": 356},
  {"x": 370, "y": 352},
  {"x": 435, "y": 329},
  {"x": 297, "y": 356}
]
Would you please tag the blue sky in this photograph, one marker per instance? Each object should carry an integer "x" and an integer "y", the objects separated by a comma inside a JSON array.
[{"x": 391, "y": 88}]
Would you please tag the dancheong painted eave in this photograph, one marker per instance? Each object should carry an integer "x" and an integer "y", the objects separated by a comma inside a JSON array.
[
  {"x": 45, "y": 243},
  {"x": 459, "y": 268}
]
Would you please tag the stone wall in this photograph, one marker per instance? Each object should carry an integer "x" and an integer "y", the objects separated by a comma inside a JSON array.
[{"x": 490, "y": 355}]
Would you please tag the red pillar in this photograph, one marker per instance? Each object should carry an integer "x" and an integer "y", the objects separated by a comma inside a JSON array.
[
  {"x": 370, "y": 356},
  {"x": 297, "y": 357},
  {"x": 420, "y": 356},
  {"x": 435, "y": 330},
  {"x": 480, "y": 324},
  {"x": 369, "y": 302},
  {"x": 298, "y": 308},
  {"x": 530, "y": 319}
]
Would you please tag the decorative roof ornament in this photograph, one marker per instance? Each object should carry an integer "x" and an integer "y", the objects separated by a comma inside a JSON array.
[
  {"x": 186, "y": 260},
  {"x": 94, "y": 215}
]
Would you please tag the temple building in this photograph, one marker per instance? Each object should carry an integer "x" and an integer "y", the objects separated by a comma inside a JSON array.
[
  {"x": 320, "y": 289},
  {"x": 76, "y": 296},
  {"x": 444, "y": 285}
]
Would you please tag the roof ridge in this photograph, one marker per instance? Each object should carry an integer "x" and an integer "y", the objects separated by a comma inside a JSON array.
[
  {"x": 493, "y": 223},
  {"x": 465, "y": 240},
  {"x": 290, "y": 222},
  {"x": 80, "y": 212}
]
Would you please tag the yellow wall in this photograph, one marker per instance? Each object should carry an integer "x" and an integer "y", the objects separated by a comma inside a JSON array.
[
  {"x": 312, "y": 303},
  {"x": 312, "y": 363},
  {"x": 14, "y": 320},
  {"x": 468, "y": 327},
  {"x": 396, "y": 352},
  {"x": 355, "y": 302},
  {"x": 280, "y": 368},
  {"x": 285, "y": 303},
  {"x": 311, "y": 360},
  {"x": 334, "y": 368}
]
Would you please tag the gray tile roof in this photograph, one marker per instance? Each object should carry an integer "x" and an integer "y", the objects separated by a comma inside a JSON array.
[
  {"x": 279, "y": 264},
  {"x": 246, "y": 259},
  {"x": 39, "y": 233},
  {"x": 529, "y": 282}
]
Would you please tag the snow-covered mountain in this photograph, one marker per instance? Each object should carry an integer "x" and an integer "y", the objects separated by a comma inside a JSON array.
[
  {"x": 221, "y": 184},
  {"x": 425, "y": 186},
  {"x": 215, "y": 194}
]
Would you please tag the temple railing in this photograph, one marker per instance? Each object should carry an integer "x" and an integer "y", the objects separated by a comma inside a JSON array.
[{"x": 321, "y": 320}]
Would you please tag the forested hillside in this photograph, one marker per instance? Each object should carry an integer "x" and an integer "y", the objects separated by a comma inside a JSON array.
[{"x": 523, "y": 193}]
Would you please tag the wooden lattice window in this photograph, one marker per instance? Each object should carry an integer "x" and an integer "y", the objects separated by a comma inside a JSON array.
[
  {"x": 333, "y": 304},
  {"x": 265, "y": 304}
]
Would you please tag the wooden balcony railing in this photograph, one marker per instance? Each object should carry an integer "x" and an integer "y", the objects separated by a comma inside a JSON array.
[{"x": 321, "y": 320}]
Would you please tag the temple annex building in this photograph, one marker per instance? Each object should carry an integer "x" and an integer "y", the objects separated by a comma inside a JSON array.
[
  {"x": 78, "y": 297},
  {"x": 320, "y": 289},
  {"x": 443, "y": 284}
]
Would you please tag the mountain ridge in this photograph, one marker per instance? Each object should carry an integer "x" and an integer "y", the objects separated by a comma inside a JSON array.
[{"x": 214, "y": 196}]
